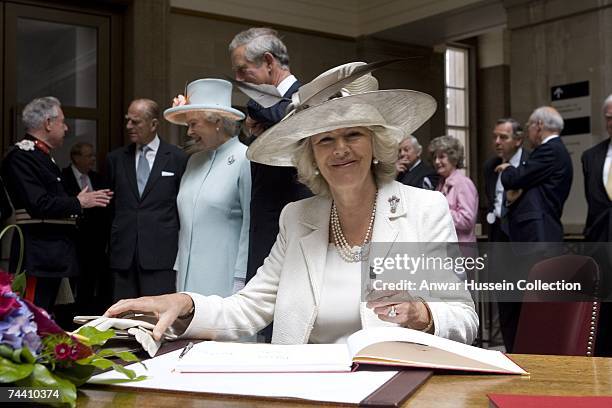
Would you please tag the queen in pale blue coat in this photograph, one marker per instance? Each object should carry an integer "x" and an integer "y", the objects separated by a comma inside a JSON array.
[{"x": 214, "y": 197}]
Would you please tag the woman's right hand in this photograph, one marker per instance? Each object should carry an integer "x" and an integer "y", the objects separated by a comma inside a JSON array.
[{"x": 167, "y": 308}]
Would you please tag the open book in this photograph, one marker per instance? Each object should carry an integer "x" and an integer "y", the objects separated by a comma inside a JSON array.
[{"x": 389, "y": 346}]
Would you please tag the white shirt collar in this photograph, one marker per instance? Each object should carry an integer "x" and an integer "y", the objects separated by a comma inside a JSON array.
[
  {"x": 414, "y": 165},
  {"x": 551, "y": 137},
  {"x": 76, "y": 172},
  {"x": 285, "y": 84},
  {"x": 515, "y": 160},
  {"x": 154, "y": 144}
]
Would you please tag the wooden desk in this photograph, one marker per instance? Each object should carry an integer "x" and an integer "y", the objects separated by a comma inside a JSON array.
[{"x": 550, "y": 375}]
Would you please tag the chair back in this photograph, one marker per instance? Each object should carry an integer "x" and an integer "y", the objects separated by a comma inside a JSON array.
[{"x": 560, "y": 327}]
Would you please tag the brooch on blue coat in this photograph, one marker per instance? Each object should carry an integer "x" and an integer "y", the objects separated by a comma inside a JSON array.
[{"x": 231, "y": 160}]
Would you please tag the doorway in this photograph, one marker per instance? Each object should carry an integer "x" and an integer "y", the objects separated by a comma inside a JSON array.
[{"x": 51, "y": 51}]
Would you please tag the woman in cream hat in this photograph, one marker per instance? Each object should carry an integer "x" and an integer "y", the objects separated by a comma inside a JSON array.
[
  {"x": 214, "y": 196},
  {"x": 345, "y": 150}
]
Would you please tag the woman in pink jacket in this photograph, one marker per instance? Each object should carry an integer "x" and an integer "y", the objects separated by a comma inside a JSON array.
[{"x": 460, "y": 191}]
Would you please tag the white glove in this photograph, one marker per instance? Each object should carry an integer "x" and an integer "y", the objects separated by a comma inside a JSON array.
[
  {"x": 104, "y": 323},
  {"x": 145, "y": 338}
]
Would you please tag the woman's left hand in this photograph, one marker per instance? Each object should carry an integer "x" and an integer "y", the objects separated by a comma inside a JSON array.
[{"x": 412, "y": 314}]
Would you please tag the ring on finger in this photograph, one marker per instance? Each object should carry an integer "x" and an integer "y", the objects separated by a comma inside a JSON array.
[{"x": 392, "y": 312}]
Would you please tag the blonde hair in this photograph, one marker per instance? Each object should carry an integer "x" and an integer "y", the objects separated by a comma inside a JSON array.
[{"x": 384, "y": 149}]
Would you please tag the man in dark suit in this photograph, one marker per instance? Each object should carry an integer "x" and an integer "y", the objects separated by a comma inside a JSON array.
[
  {"x": 596, "y": 163},
  {"x": 597, "y": 171},
  {"x": 145, "y": 176},
  {"x": 508, "y": 141},
  {"x": 93, "y": 284},
  {"x": 260, "y": 57},
  {"x": 411, "y": 170},
  {"x": 46, "y": 213},
  {"x": 536, "y": 191},
  {"x": 541, "y": 184}
]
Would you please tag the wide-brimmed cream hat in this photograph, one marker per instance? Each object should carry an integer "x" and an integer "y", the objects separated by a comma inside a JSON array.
[
  {"x": 209, "y": 94},
  {"x": 399, "y": 111}
]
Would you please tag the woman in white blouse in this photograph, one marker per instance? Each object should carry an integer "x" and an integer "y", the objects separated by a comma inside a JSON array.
[{"x": 310, "y": 285}]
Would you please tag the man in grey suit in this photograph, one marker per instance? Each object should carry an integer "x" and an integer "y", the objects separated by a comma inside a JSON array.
[{"x": 145, "y": 176}]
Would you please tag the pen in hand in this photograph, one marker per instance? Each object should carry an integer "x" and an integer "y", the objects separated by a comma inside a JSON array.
[{"x": 186, "y": 349}]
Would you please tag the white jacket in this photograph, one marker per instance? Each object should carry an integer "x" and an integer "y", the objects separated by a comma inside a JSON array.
[{"x": 287, "y": 287}]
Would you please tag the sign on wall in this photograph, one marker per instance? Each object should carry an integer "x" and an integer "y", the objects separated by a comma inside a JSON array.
[{"x": 573, "y": 101}]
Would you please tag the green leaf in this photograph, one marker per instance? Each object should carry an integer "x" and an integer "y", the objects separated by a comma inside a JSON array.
[
  {"x": 121, "y": 380},
  {"x": 77, "y": 374},
  {"x": 11, "y": 372},
  {"x": 41, "y": 377},
  {"x": 19, "y": 283},
  {"x": 123, "y": 355},
  {"x": 27, "y": 356},
  {"x": 101, "y": 363},
  {"x": 125, "y": 371},
  {"x": 16, "y": 357},
  {"x": 6, "y": 352},
  {"x": 94, "y": 336}
]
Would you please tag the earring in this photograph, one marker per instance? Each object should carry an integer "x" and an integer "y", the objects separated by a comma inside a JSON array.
[
  {"x": 375, "y": 161},
  {"x": 217, "y": 129},
  {"x": 316, "y": 172}
]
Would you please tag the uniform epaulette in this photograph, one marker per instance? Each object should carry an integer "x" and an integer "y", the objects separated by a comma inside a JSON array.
[{"x": 25, "y": 144}]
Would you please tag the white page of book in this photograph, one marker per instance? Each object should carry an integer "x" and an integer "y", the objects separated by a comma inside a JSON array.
[
  {"x": 358, "y": 340},
  {"x": 350, "y": 387},
  {"x": 214, "y": 356}
]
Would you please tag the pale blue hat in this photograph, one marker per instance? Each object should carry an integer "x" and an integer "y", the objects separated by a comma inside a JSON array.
[{"x": 210, "y": 95}]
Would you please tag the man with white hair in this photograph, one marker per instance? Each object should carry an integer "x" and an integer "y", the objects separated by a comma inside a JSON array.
[
  {"x": 260, "y": 57},
  {"x": 541, "y": 184},
  {"x": 596, "y": 163},
  {"x": 412, "y": 171},
  {"x": 536, "y": 191},
  {"x": 46, "y": 213},
  {"x": 597, "y": 171}
]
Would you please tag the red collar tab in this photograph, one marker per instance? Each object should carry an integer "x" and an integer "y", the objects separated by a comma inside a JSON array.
[{"x": 42, "y": 146}]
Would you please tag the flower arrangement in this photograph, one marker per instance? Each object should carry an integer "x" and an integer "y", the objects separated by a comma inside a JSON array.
[
  {"x": 180, "y": 100},
  {"x": 35, "y": 352}
]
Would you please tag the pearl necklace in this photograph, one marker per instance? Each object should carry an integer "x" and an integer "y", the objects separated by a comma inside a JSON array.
[{"x": 344, "y": 249}]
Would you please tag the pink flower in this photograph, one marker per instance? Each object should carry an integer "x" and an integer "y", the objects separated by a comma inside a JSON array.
[
  {"x": 62, "y": 351},
  {"x": 180, "y": 100},
  {"x": 5, "y": 282}
]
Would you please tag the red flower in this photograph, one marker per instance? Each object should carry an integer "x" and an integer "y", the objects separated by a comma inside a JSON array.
[
  {"x": 8, "y": 301},
  {"x": 5, "y": 282},
  {"x": 62, "y": 351},
  {"x": 79, "y": 350}
]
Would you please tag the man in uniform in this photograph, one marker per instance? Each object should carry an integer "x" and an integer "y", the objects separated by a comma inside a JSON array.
[{"x": 43, "y": 209}]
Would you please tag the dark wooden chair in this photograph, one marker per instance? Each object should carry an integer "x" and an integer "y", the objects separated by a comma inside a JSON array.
[{"x": 549, "y": 326}]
